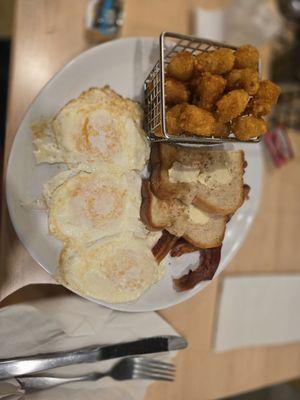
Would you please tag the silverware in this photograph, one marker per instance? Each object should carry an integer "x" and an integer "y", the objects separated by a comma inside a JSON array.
[
  {"x": 128, "y": 368},
  {"x": 25, "y": 365}
]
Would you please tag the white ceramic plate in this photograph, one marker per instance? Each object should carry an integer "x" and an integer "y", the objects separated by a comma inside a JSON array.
[{"x": 123, "y": 64}]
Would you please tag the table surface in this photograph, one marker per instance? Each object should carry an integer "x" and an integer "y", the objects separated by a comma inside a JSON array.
[{"x": 47, "y": 33}]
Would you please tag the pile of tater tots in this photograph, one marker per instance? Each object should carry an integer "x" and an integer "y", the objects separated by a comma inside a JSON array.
[{"x": 218, "y": 93}]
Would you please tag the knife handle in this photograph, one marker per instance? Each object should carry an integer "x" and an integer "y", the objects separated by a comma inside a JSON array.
[{"x": 25, "y": 365}]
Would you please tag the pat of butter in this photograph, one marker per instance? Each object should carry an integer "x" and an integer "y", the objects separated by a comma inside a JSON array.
[
  {"x": 183, "y": 173},
  {"x": 222, "y": 176},
  {"x": 197, "y": 216},
  {"x": 190, "y": 174}
]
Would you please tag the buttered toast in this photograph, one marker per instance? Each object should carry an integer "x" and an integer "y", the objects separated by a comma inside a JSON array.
[
  {"x": 202, "y": 229},
  {"x": 209, "y": 179}
]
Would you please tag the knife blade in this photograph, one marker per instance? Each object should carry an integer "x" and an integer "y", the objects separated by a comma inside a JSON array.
[{"x": 12, "y": 367}]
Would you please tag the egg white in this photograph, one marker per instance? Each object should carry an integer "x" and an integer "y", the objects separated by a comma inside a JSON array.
[
  {"x": 116, "y": 269},
  {"x": 94, "y": 206},
  {"x": 97, "y": 130},
  {"x": 89, "y": 206}
]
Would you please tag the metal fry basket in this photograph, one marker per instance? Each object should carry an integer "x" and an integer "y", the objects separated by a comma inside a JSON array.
[{"x": 154, "y": 90}]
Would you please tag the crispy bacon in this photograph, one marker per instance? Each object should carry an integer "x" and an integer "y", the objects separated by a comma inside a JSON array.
[
  {"x": 181, "y": 247},
  {"x": 246, "y": 191},
  {"x": 208, "y": 264},
  {"x": 164, "y": 244},
  {"x": 209, "y": 259}
]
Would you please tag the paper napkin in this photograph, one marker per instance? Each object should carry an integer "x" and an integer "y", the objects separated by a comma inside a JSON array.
[{"x": 68, "y": 322}]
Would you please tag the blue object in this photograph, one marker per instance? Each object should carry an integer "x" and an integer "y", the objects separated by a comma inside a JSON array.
[{"x": 108, "y": 16}]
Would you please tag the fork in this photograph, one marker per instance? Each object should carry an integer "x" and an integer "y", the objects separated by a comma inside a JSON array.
[{"x": 128, "y": 368}]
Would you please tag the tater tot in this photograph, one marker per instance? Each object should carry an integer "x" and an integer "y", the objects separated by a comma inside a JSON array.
[
  {"x": 259, "y": 108},
  {"x": 246, "y": 56},
  {"x": 217, "y": 93},
  {"x": 181, "y": 66},
  {"x": 222, "y": 130},
  {"x": 268, "y": 91},
  {"x": 218, "y": 61},
  {"x": 206, "y": 106},
  {"x": 176, "y": 92},
  {"x": 248, "y": 127},
  {"x": 172, "y": 119},
  {"x": 247, "y": 79},
  {"x": 209, "y": 89},
  {"x": 231, "y": 105},
  {"x": 194, "y": 83},
  {"x": 196, "y": 121},
  {"x": 265, "y": 98}
]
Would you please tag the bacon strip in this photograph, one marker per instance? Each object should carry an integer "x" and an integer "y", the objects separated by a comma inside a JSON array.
[
  {"x": 164, "y": 244},
  {"x": 246, "y": 191},
  {"x": 181, "y": 247},
  {"x": 208, "y": 264}
]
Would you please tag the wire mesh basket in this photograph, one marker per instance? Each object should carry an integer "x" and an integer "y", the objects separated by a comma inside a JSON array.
[{"x": 154, "y": 90}]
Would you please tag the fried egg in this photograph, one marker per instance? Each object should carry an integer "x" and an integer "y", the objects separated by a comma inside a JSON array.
[
  {"x": 94, "y": 204},
  {"x": 46, "y": 149},
  {"x": 97, "y": 130},
  {"x": 90, "y": 206},
  {"x": 116, "y": 269}
]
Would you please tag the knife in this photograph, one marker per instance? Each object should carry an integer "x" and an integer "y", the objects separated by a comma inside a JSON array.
[{"x": 12, "y": 367}]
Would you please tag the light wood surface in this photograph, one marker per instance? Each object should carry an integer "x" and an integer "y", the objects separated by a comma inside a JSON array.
[
  {"x": 6, "y": 11},
  {"x": 47, "y": 33}
]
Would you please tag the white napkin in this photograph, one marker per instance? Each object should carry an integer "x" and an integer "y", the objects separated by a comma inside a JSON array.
[
  {"x": 240, "y": 22},
  {"x": 68, "y": 322},
  {"x": 258, "y": 311},
  {"x": 210, "y": 24}
]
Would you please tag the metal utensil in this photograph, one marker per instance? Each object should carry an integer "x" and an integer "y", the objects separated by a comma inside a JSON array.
[
  {"x": 155, "y": 108},
  {"x": 13, "y": 367},
  {"x": 128, "y": 368}
]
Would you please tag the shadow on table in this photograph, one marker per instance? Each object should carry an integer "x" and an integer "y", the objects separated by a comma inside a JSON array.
[
  {"x": 285, "y": 391},
  {"x": 4, "y": 66}
]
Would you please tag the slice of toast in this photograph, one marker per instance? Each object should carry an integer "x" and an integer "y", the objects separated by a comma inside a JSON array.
[
  {"x": 208, "y": 178},
  {"x": 160, "y": 214},
  {"x": 199, "y": 228}
]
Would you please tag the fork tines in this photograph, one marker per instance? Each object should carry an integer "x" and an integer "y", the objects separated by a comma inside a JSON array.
[{"x": 146, "y": 368}]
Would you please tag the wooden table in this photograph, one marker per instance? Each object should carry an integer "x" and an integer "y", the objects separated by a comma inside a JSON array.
[{"x": 47, "y": 33}]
